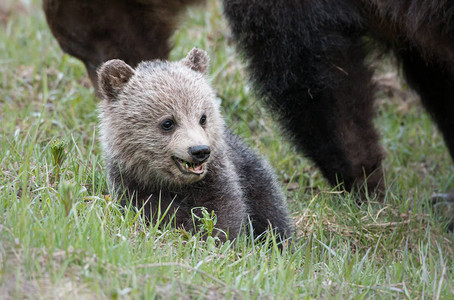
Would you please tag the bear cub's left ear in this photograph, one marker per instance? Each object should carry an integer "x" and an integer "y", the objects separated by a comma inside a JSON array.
[
  {"x": 112, "y": 77},
  {"x": 197, "y": 60}
]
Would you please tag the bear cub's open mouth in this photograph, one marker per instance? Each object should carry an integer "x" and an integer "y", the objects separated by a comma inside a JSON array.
[{"x": 188, "y": 167}]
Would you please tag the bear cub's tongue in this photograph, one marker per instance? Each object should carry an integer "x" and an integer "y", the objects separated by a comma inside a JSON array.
[
  {"x": 197, "y": 169},
  {"x": 193, "y": 168}
]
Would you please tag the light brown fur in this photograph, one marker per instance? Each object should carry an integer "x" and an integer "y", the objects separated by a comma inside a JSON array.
[{"x": 130, "y": 124}]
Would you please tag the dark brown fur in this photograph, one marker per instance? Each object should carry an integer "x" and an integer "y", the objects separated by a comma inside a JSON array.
[
  {"x": 99, "y": 30},
  {"x": 308, "y": 61}
]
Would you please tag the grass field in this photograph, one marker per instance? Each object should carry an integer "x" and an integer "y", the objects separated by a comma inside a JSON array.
[{"x": 61, "y": 237}]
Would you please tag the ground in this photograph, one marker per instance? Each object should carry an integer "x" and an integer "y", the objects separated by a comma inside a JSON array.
[{"x": 62, "y": 236}]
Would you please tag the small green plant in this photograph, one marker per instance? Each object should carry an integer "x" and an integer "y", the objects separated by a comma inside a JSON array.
[
  {"x": 58, "y": 153},
  {"x": 65, "y": 190},
  {"x": 204, "y": 221}
]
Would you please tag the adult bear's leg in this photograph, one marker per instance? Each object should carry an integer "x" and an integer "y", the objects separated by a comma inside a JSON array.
[
  {"x": 433, "y": 79},
  {"x": 306, "y": 59}
]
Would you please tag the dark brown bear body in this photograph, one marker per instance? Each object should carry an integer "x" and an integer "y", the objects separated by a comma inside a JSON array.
[
  {"x": 99, "y": 30},
  {"x": 166, "y": 146},
  {"x": 308, "y": 61}
]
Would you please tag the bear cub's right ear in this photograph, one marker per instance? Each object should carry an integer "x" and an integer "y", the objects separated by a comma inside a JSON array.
[
  {"x": 112, "y": 77},
  {"x": 197, "y": 60}
]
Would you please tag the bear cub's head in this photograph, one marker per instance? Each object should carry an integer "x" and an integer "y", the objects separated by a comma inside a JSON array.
[{"x": 160, "y": 122}]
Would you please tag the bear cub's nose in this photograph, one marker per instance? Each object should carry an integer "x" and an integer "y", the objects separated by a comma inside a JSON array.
[{"x": 200, "y": 153}]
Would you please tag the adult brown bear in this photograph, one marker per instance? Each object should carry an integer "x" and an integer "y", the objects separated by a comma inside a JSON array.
[{"x": 306, "y": 59}]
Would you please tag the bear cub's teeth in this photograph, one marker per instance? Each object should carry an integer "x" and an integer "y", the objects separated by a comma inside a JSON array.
[{"x": 187, "y": 167}]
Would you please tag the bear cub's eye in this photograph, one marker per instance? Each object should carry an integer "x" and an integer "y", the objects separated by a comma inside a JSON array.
[
  {"x": 203, "y": 120},
  {"x": 168, "y": 124}
]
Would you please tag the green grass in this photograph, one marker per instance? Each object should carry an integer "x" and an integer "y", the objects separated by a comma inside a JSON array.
[{"x": 62, "y": 237}]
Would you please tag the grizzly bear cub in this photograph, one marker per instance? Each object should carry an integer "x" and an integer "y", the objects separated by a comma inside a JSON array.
[{"x": 167, "y": 148}]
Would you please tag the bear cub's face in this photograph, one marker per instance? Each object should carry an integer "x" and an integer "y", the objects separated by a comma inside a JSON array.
[{"x": 160, "y": 121}]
